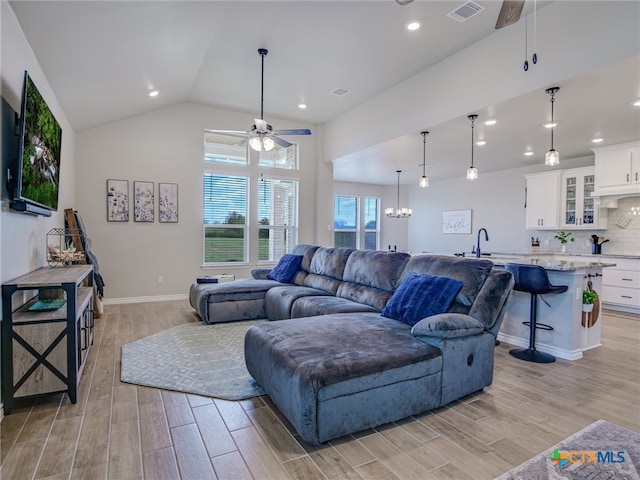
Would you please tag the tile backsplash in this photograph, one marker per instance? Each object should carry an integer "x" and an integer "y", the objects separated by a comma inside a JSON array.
[{"x": 622, "y": 240}]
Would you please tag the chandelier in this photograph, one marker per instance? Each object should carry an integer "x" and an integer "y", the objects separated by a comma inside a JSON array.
[{"x": 398, "y": 212}]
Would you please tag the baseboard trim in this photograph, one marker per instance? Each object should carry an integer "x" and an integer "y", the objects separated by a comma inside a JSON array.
[
  {"x": 153, "y": 298},
  {"x": 556, "y": 352}
]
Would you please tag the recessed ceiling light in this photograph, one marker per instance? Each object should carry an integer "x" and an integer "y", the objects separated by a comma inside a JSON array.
[
  {"x": 412, "y": 26},
  {"x": 490, "y": 122},
  {"x": 481, "y": 142},
  {"x": 636, "y": 103},
  {"x": 302, "y": 106},
  {"x": 597, "y": 140},
  {"x": 550, "y": 125},
  {"x": 154, "y": 93},
  {"x": 528, "y": 154}
]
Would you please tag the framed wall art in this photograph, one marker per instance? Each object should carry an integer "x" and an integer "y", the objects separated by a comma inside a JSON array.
[
  {"x": 143, "y": 202},
  {"x": 456, "y": 221},
  {"x": 117, "y": 200},
  {"x": 168, "y": 202}
]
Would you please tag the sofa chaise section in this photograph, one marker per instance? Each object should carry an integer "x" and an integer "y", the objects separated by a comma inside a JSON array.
[{"x": 336, "y": 374}]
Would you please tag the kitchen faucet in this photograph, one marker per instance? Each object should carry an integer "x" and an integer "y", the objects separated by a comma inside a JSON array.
[{"x": 486, "y": 239}]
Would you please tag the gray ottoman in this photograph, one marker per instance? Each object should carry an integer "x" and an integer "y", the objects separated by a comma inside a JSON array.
[
  {"x": 337, "y": 374},
  {"x": 230, "y": 301}
]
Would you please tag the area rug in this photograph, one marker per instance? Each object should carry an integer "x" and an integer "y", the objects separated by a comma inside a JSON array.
[
  {"x": 600, "y": 451},
  {"x": 194, "y": 358}
]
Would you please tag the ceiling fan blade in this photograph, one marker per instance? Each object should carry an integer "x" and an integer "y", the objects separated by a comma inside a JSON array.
[
  {"x": 509, "y": 13},
  {"x": 281, "y": 142},
  {"x": 231, "y": 132},
  {"x": 241, "y": 142},
  {"x": 296, "y": 131}
]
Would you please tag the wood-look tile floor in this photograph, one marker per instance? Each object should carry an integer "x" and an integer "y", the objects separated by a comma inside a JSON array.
[{"x": 123, "y": 431}]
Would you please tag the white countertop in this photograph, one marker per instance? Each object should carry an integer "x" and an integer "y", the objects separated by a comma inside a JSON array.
[{"x": 549, "y": 261}]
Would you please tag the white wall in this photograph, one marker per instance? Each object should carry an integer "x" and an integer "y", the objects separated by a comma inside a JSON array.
[
  {"x": 167, "y": 146},
  {"x": 23, "y": 236}
]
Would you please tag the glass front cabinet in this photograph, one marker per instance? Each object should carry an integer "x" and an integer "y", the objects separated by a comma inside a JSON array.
[{"x": 579, "y": 209}]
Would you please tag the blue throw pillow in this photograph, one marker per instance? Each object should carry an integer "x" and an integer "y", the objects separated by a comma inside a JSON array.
[
  {"x": 286, "y": 268},
  {"x": 420, "y": 296}
]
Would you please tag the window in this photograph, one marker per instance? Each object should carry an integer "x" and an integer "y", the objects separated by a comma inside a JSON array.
[
  {"x": 371, "y": 233},
  {"x": 356, "y": 227},
  {"x": 225, "y": 218},
  {"x": 345, "y": 221},
  {"x": 277, "y": 211},
  {"x": 249, "y": 216}
]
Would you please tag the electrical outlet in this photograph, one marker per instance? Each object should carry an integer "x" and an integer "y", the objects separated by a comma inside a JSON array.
[
  {"x": 546, "y": 242},
  {"x": 160, "y": 279}
]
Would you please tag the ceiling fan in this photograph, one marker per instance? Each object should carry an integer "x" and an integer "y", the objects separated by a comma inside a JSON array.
[{"x": 262, "y": 136}]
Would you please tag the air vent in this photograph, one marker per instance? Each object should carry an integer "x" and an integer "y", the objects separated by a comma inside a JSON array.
[
  {"x": 339, "y": 92},
  {"x": 465, "y": 11}
]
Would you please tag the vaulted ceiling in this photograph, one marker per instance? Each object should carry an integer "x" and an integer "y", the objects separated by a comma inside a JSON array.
[{"x": 103, "y": 57}]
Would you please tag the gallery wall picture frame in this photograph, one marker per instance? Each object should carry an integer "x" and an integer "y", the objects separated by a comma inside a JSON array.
[
  {"x": 117, "y": 200},
  {"x": 143, "y": 202},
  {"x": 168, "y": 202},
  {"x": 456, "y": 221}
]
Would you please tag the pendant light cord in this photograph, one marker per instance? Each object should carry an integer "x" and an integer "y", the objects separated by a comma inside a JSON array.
[
  {"x": 398, "y": 204},
  {"x": 552, "y": 126},
  {"x": 472, "y": 126}
]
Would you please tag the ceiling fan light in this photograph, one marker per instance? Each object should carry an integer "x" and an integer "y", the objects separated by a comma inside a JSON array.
[
  {"x": 262, "y": 143},
  {"x": 472, "y": 173},
  {"x": 424, "y": 181},
  {"x": 552, "y": 158},
  {"x": 256, "y": 143},
  {"x": 268, "y": 143}
]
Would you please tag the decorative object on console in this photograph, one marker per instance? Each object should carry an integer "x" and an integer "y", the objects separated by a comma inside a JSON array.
[
  {"x": 168, "y": 202},
  {"x": 143, "y": 202},
  {"x": 472, "y": 172},
  {"x": 117, "y": 200},
  {"x": 61, "y": 249},
  {"x": 424, "y": 180},
  {"x": 399, "y": 212},
  {"x": 552, "y": 157}
]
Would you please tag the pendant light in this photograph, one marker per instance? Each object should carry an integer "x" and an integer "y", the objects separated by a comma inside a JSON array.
[
  {"x": 424, "y": 180},
  {"x": 399, "y": 212},
  {"x": 552, "y": 157},
  {"x": 472, "y": 172}
]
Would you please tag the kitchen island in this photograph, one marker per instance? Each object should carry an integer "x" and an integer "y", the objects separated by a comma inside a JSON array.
[{"x": 574, "y": 331}]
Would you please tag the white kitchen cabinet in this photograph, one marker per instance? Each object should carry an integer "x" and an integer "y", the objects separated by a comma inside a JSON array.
[
  {"x": 617, "y": 169},
  {"x": 543, "y": 198},
  {"x": 621, "y": 285},
  {"x": 578, "y": 209}
]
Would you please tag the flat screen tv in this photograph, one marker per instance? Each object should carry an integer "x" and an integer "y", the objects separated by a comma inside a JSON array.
[{"x": 36, "y": 181}]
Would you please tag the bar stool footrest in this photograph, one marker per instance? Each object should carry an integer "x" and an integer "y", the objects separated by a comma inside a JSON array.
[
  {"x": 532, "y": 355},
  {"x": 541, "y": 326}
]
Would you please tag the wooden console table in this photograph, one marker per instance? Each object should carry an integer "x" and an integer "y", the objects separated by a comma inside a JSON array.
[{"x": 44, "y": 352}]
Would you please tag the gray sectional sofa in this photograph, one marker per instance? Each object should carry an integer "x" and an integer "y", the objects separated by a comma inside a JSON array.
[{"x": 333, "y": 364}]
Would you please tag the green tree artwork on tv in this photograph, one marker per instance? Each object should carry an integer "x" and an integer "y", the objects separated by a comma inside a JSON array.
[{"x": 41, "y": 154}]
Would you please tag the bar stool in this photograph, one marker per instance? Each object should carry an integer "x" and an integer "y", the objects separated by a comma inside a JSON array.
[{"x": 533, "y": 279}]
